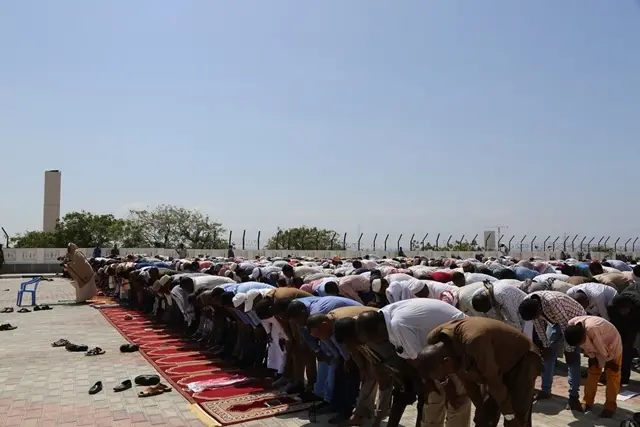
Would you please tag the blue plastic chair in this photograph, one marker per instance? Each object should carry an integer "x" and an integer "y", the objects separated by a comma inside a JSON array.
[{"x": 24, "y": 288}]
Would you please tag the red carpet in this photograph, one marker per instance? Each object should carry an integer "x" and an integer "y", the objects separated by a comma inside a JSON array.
[{"x": 181, "y": 361}]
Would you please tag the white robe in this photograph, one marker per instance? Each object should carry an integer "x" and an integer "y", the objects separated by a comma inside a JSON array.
[{"x": 276, "y": 357}]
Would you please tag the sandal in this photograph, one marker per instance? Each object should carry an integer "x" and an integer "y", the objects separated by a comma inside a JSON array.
[
  {"x": 95, "y": 352},
  {"x": 7, "y": 310},
  {"x": 76, "y": 347},
  {"x": 60, "y": 343},
  {"x": 45, "y": 307},
  {"x": 36, "y": 308},
  {"x": 24, "y": 310},
  {"x": 7, "y": 327},
  {"x": 129, "y": 348},
  {"x": 154, "y": 390}
]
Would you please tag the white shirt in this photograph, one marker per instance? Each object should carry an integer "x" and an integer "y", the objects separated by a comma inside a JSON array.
[
  {"x": 544, "y": 277},
  {"x": 478, "y": 277},
  {"x": 507, "y": 303},
  {"x": 409, "y": 322},
  {"x": 599, "y": 297}
]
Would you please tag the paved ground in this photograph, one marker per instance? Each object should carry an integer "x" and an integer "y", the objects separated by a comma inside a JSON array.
[{"x": 44, "y": 386}]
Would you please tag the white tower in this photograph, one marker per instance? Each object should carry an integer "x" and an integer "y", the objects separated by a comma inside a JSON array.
[{"x": 51, "y": 208}]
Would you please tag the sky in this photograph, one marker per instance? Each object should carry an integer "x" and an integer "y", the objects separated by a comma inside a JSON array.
[{"x": 362, "y": 116}]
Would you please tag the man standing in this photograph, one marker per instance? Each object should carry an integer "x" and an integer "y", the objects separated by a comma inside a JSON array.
[
  {"x": 496, "y": 381},
  {"x": 406, "y": 325},
  {"x": 624, "y": 313},
  {"x": 602, "y": 344},
  {"x": 550, "y": 312}
]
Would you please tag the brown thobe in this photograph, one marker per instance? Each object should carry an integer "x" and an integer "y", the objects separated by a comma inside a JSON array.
[
  {"x": 616, "y": 280},
  {"x": 577, "y": 280},
  {"x": 498, "y": 357}
]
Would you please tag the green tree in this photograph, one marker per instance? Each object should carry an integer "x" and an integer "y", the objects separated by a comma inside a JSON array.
[
  {"x": 166, "y": 226},
  {"x": 85, "y": 229},
  {"x": 304, "y": 238}
]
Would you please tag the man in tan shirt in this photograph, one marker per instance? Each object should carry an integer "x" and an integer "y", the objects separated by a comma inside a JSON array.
[{"x": 489, "y": 353}]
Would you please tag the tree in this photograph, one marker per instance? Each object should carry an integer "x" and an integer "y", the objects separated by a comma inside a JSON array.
[
  {"x": 304, "y": 238},
  {"x": 166, "y": 226}
]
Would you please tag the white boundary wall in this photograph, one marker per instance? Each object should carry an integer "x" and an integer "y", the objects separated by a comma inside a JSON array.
[{"x": 50, "y": 256}]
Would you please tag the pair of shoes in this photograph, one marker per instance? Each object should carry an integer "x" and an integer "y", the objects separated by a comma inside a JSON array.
[
  {"x": 7, "y": 327},
  {"x": 97, "y": 387},
  {"x": 24, "y": 310},
  {"x": 42, "y": 307},
  {"x": 154, "y": 390},
  {"x": 60, "y": 343},
  {"x": 7, "y": 310},
  {"x": 76, "y": 347},
  {"x": 129, "y": 348},
  {"x": 95, "y": 352}
]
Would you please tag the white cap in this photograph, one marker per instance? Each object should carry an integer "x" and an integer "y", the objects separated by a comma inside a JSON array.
[
  {"x": 233, "y": 266},
  {"x": 251, "y": 297},
  {"x": 239, "y": 299},
  {"x": 376, "y": 285}
]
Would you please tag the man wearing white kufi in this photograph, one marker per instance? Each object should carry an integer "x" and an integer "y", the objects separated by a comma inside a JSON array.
[{"x": 276, "y": 355}]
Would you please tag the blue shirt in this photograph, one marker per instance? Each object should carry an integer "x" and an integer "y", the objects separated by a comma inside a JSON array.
[
  {"x": 323, "y": 305},
  {"x": 245, "y": 287},
  {"x": 524, "y": 273},
  {"x": 231, "y": 287}
]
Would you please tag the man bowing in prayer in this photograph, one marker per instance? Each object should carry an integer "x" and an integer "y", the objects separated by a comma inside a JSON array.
[
  {"x": 496, "y": 381},
  {"x": 81, "y": 273}
]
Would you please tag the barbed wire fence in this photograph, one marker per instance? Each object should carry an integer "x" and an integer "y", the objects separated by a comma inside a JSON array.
[{"x": 441, "y": 242}]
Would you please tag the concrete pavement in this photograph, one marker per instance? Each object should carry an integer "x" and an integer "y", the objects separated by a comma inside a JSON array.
[{"x": 45, "y": 386}]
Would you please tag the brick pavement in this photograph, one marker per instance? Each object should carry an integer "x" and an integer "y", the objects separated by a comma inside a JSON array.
[{"x": 44, "y": 386}]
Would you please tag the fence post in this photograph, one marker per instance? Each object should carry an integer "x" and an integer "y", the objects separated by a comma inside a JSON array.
[
  {"x": 615, "y": 245},
  {"x": 374, "y": 242},
  {"x": 573, "y": 247},
  {"x": 244, "y": 232},
  {"x": 512, "y": 237},
  {"x": 605, "y": 242},
  {"x": 474, "y": 242},
  {"x": 230, "y": 235},
  {"x": 289, "y": 241},
  {"x": 522, "y": 240},
  {"x": 359, "y": 239},
  {"x": 486, "y": 242},
  {"x": 531, "y": 245},
  {"x": 411, "y": 241},
  {"x": 258, "y": 239},
  {"x": 437, "y": 240},
  {"x": 626, "y": 243},
  {"x": 344, "y": 242},
  {"x": 462, "y": 239},
  {"x": 564, "y": 244},
  {"x": 581, "y": 242},
  {"x": 398, "y": 242},
  {"x": 544, "y": 244},
  {"x": 215, "y": 238},
  {"x": 553, "y": 245},
  {"x": 633, "y": 246},
  {"x": 589, "y": 244},
  {"x": 497, "y": 244},
  {"x": 332, "y": 239},
  {"x": 449, "y": 240},
  {"x": 385, "y": 242},
  {"x": 422, "y": 243},
  {"x": 600, "y": 241}
]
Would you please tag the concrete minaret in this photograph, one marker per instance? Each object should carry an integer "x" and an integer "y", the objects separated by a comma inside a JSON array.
[{"x": 51, "y": 209}]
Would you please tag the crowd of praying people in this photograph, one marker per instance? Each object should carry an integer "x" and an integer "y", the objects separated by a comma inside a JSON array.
[{"x": 364, "y": 338}]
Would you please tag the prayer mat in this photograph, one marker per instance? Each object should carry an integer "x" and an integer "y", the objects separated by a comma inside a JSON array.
[{"x": 240, "y": 409}]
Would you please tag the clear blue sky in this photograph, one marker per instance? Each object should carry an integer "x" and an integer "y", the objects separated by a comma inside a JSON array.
[{"x": 390, "y": 117}]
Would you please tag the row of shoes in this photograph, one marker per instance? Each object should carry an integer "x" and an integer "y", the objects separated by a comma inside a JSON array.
[
  {"x": 154, "y": 386},
  {"x": 96, "y": 351},
  {"x": 42, "y": 307}
]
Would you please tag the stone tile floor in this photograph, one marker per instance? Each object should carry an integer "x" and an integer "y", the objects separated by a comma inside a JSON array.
[{"x": 45, "y": 386}]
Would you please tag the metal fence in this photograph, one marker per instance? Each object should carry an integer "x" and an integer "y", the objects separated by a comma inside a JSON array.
[{"x": 437, "y": 241}]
